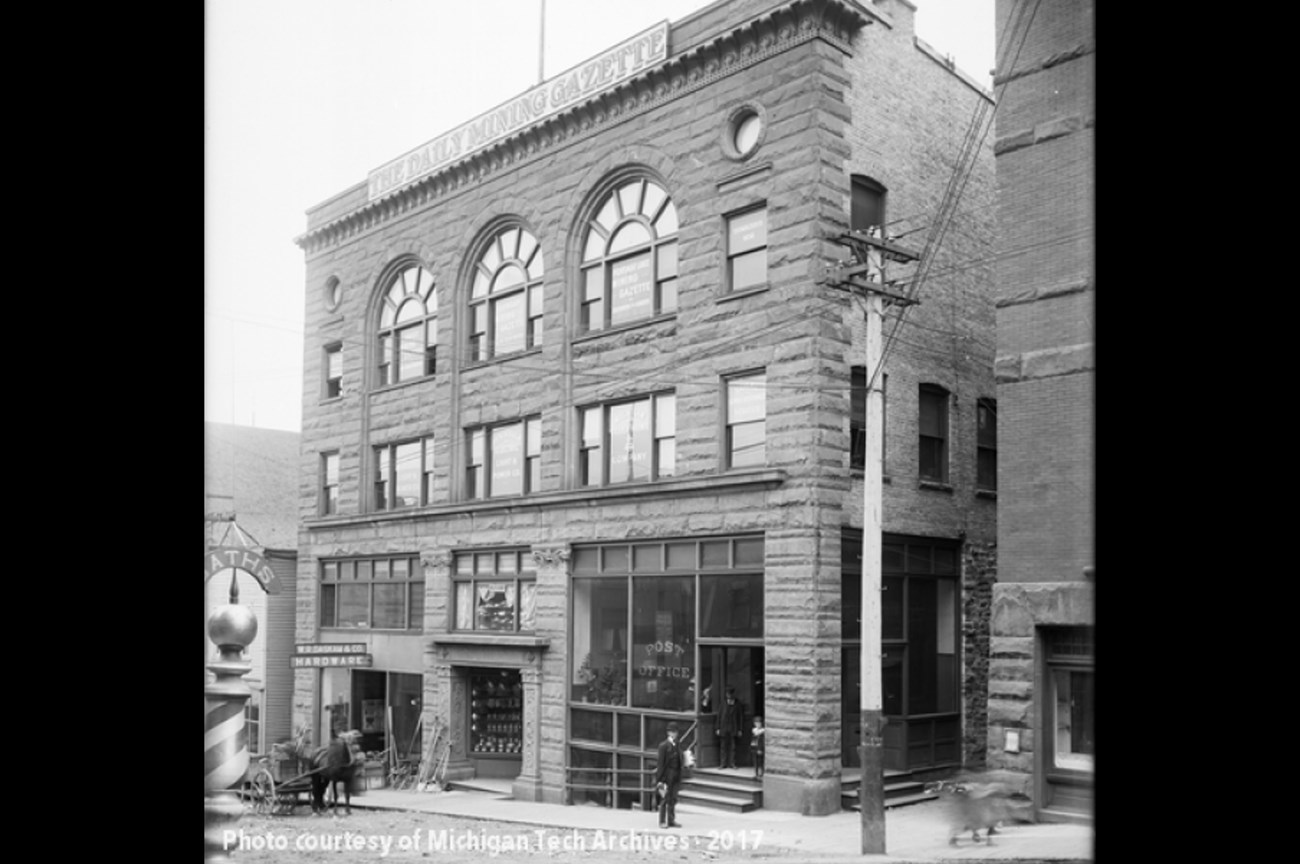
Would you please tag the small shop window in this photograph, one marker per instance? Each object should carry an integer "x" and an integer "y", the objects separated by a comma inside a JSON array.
[
  {"x": 372, "y": 593},
  {"x": 494, "y": 591}
]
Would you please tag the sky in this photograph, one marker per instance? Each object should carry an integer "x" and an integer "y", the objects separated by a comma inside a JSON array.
[{"x": 304, "y": 97}]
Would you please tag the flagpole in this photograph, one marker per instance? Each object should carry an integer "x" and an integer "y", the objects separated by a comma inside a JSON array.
[{"x": 541, "y": 47}]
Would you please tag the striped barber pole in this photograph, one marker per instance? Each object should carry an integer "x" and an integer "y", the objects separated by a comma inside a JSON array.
[{"x": 225, "y": 744}]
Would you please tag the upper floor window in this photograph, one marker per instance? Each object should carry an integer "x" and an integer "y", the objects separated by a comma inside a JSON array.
[
  {"x": 384, "y": 593},
  {"x": 408, "y": 327},
  {"x": 505, "y": 307},
  {"x": 867, "y": 207},
  {"x": 746, "y": 420},
  {"x": 403, "y": 474},
  {"x": 934, "y": 433},
  {"x": 747, "y": 249},
  {"x": 629, "y": 259},
  {"x": 329, "y": 483},
  {"x": 629, "y": 441},
  {"x": 504, "y": 459},
  {"x": 333, "y": 370},
  {"x": 494, "y": 591},
  {"x": 986, "y": 444}
]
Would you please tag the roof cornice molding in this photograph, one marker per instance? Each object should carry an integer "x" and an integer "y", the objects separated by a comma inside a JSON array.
[{"x": 775, "y": 31}]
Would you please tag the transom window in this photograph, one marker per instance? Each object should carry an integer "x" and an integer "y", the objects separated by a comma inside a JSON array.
[
  {"x": 408, "y": 327},
  {"x": 629, "y": 441},
  {"x": 504, "y": 459},
  {"x": 372, "y": 593},
  {"x": 505, "y": 304},
  {"x": 495, "y": 591},
  {"x": 629, "y": 259}
]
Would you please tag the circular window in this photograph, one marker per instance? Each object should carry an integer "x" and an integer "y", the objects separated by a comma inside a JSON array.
[
  {"x": 333, "y": 293},
  {"x": 747, "y": 129},
  {"x": 744, "y": 132}
]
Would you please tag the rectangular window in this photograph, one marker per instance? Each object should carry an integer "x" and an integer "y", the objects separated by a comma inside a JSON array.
[
  {"x": 333, "y": 371},
  {"x": 934, "y": 433},
  {"x": 746, "y": 420},
  {"x": 494, "y": 591},
  {"x": 504, "y": 460},
  {"x": 385, "y": 593},
  {"x": 329, "y": 488},
  {"x": 747, "y": 249},
  {"x": 626, "y": 442},
  {"x": 402, "y": 474},
  {"x": 986, "y": 445}
]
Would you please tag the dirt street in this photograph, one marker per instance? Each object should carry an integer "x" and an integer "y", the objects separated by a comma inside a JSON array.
[{"x": 383, "y": 835}]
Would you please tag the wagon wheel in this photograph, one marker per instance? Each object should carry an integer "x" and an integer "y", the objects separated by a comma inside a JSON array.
[{"x": 262, "y": 792}]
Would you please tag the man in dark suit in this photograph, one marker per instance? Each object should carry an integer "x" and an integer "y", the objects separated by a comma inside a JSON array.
[
  {"x": 668, "y": 776},
  {"x": 731, "y": 716}
]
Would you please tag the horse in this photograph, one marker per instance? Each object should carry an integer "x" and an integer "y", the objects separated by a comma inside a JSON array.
[{"x": 331, "y": 765}]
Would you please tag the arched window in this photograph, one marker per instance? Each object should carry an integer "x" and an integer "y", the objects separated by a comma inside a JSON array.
[
  {"x": 408, "y": 326},
  {"x": 629, "y": 258},
  {"x": 505, "y": 306}
]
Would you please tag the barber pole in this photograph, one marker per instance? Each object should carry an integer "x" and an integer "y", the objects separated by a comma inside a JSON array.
[{"x": 225, "y": 740}]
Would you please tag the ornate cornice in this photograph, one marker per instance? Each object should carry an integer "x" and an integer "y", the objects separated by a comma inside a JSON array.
[{"x": 748, "y": 43}]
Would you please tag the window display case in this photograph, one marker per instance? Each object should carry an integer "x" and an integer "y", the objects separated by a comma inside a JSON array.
[{"x": 496, "y": 719}]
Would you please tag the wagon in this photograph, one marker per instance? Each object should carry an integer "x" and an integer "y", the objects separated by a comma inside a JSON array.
[{"x": 271, "y": 797}]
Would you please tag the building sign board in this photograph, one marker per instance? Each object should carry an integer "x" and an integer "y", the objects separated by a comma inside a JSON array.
[
  {"x": 601, "y": 73},
  {"x": 240, "y": 558},
  {"x": 330, "y": 654}
]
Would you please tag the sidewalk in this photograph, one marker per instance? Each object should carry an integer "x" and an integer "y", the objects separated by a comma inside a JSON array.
[{"x": 915, "y": 833}]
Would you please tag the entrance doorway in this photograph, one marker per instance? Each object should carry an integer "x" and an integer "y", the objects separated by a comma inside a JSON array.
[
  {"x": 723, "y": 667},
  {"x": 496, "y": 722},
  {"x": 383, "y": 706}
]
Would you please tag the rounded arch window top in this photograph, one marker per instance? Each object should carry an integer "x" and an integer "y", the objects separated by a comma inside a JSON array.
[
  {"x": 506, "y": 295},
  {"x": 408, "y": 326},
  {"x": 629, "y": 258}
]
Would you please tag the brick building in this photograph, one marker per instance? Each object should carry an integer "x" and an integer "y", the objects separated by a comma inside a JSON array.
[
  {"x": 582, "y": 419},
  {"x": 1043, "y": 656}
]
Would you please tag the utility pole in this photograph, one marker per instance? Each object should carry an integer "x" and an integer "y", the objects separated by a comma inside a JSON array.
[{"x": 865, "y": 275}]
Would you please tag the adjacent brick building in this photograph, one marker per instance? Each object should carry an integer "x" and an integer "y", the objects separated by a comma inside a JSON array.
[
  {"x": 579, "y": 432},
  {"x": 1043, "y": 656}
]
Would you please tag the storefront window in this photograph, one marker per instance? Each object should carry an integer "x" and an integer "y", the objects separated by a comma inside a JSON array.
[
  {"x": 372, "y": 593},
  {"x": 600, "y": 641},
  {"x": 663, "y": 643},
  {"x": 494, "y": 591}
]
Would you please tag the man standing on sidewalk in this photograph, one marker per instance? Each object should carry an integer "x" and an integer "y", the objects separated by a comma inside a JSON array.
[
  {"x": 668, "y": 776},
  {"x": 729, "y": 728}
]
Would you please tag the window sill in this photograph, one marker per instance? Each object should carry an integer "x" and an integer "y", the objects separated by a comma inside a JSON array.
[
  {"x": 990, "y": 494},
  {"x": 502, "y": 358},
  {"x": 622, "y": 328},
  {"x": 935, "y": 486},
  {"x": 745, "y": 292},
  {"x": 498, "y": 639},
  {"x": 326, "y": 400},
  {"x": 384, "y": 388}
]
